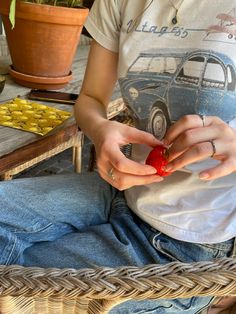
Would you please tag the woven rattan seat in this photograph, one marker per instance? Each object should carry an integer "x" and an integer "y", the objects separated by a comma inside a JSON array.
[{"x": 37, "y": 290}]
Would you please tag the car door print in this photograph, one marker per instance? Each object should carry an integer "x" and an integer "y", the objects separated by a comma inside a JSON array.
[
  {"x": 183, "y": 94},
  {"x": 217, "y": 93},
  {"x": 212, "y": 89}
]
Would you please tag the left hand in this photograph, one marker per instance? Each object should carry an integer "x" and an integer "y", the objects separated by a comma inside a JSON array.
[{"x": 190, "y": 141}]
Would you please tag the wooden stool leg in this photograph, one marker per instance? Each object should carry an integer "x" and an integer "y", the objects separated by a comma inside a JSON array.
[
  {"x": 77, "y": 152},
  {"x": 77, "y": 156}
]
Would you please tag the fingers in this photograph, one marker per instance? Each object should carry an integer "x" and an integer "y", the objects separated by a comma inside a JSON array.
[
  {"x": 109, "y": 153},
  {"x": 140, "y": 137},
  {"x": 123, "y": 181},
  {"x": 196, "y": 153},
  {"x": 117, "y": 160},
  {"x": 224, "y": 168},
  {"x": 194, "y": 138},
  {"x": 116, "y": 168},
  {"x": 191, "y": 139},
  {"x": 124, "y": 173},
  {"x": 189, "y": 122}
]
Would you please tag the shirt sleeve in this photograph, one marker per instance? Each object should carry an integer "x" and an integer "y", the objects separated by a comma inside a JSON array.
[{"x": 104, "y": 23}]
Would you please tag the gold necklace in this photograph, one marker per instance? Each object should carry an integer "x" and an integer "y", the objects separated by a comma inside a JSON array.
[{"x": 175, "y": 20}]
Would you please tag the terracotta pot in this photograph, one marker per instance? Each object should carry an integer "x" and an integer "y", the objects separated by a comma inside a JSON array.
[{"x": 43, "y": 42}]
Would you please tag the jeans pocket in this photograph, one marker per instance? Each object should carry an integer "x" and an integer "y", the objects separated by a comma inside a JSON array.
[
  {"x": 176, "y": 250},
  {"x": 165, "y": 247},
  {"x": 218, "y": 250}
]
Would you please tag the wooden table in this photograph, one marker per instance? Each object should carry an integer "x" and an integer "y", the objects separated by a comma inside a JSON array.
[{"x": 20, "y": 150}]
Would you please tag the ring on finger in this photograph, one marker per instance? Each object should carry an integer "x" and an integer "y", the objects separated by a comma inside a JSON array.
[
  {"x": 111, "y": 174},
  {"x": 203, "y": 118},
  {"x": 213, "y": 148}
]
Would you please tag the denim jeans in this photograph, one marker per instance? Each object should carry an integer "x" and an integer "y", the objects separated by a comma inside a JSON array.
[{"x": 81, "y": 221}]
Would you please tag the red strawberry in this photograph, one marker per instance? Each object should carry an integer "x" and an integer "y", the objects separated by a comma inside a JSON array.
[{"x": 158, "y": 158}]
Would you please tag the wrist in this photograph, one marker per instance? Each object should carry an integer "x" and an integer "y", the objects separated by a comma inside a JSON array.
[{"x": 96, "y": 128}]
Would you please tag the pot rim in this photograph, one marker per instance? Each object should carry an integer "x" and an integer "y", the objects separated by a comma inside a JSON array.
[{"x": 46, "y": 13}]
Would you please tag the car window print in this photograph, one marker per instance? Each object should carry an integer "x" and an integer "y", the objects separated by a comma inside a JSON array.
[{"x": 161, "y": 86}]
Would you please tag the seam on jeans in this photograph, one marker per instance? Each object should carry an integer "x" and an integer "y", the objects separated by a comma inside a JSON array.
[
  {"x": 217, "y": 246},
  {"x": 35, "y": 231},
  {"x": 157, "y": 234},
  {"x": 16, "y": 257},
  {"x": 12, "y": 250}
]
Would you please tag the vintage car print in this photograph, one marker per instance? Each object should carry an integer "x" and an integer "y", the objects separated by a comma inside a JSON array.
[{"x": 162, "y": 86}]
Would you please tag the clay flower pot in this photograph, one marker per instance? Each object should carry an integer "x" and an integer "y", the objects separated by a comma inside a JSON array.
[{"x": 43, "y": 43}]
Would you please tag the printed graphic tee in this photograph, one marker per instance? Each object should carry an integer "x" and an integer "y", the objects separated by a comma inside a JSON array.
[{"x": 176, "y": 58}]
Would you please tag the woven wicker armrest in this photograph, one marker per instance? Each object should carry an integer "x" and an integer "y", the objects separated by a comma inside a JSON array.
[{"x": 102, "y": 288}]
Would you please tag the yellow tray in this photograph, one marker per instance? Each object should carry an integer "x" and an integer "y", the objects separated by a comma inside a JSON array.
[{"x": 31, "y": 116}]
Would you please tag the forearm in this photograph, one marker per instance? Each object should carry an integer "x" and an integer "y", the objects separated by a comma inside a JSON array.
[
  {"x": 99, "y": 81},
  {"x": 89, "y": 113}
]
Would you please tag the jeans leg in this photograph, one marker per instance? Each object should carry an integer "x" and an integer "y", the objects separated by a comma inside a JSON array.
[
  {"x": 115, "y": 242},
  {"x": 46, "y": 208}
]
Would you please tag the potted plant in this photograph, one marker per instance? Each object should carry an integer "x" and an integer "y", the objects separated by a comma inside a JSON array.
[{"x": 43, "y": 41}]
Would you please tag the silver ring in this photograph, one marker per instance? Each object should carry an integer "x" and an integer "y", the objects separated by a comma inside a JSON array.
[
  {"x": 203, "y": 118},
  {"x": 111, "y": 174},
  {"x": 213, "y": 148}
]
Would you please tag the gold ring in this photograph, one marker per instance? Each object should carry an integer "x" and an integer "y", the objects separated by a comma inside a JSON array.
[
  {"x": 111, "y": 174},
  {"x": 213, "y": 147},
  {"x": 203, "y": 118}
]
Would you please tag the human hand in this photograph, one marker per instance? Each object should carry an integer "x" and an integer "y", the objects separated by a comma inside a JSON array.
[
  {"x": 190, "y": 140},
  {"x": 112, "y": 164}
]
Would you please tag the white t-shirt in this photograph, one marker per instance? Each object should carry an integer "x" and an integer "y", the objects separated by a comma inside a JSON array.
[{"x": 166, "y": 70}]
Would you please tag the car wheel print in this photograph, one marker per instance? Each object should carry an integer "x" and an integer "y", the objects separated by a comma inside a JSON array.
[{"x": 157, "y": 123}]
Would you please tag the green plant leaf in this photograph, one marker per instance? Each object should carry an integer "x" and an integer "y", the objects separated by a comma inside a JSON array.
[{"x": 12, "y": 13}]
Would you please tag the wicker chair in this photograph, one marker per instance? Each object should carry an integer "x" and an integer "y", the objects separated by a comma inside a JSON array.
[
  {"x": 95, "y": 291},
  {"x": 33, "y": 290}
]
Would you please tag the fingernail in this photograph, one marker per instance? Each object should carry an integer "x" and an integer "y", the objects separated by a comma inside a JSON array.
[
  {"x": 204, "y": 176},
  {"x": 158, "y": 179},
  {"x": 152, "y": 170}
]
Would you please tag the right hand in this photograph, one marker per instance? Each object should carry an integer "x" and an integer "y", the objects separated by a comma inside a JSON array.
[{"x": 110, "y": 136}]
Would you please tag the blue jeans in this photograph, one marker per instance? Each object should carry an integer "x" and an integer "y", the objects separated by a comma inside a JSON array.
[{"x": 81, "y": 221}]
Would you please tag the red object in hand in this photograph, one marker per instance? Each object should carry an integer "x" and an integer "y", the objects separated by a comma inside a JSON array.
[{"x": 158, "y": 158}]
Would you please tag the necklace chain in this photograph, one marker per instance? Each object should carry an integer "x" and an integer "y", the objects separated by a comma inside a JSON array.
[
  {"x": 175, "y": 20},
  {"x": 172, "y": 4}
]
